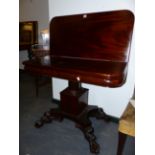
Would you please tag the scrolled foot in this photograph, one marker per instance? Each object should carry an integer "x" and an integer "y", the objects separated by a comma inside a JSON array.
[
  {"x": 53, "y": 114},
  {"x": 46, "y": 118},
  {"x": 89, "y": 134},
  {"x": 41, "y": 122},
  {"x": 94, "y": 147},
  {"x": 38, "y": 124}
]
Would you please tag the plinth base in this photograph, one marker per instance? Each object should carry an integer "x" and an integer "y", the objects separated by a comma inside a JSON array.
[{"x": 74, "y": 106}]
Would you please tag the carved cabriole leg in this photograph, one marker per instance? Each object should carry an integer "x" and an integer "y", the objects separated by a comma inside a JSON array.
[
  {"x": 85, "y": 125},
  {"x": 74, "y": 106},
  {"x": 89, "y": 135},
  {"x": 98, "y": 113},
  {"x": 88, "y": 132},
  {"x": 53, "y": 114}
]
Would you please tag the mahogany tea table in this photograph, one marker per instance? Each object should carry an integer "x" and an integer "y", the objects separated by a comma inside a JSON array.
[{"x": 91, "y": 48}]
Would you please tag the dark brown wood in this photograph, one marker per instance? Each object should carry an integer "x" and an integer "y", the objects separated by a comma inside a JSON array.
[
  {"x": 92, "y": 48},
  {"x": 39, "y": 51},
  {"x": 121, "y": 142},
  {"x": 105, "y": 73},
  {"x": 74, "y": 99},
  {"x": 74, "y": 106},
  {"x": 93, "y": 36},
  {"x": 99, "y": 57},
  {"x": 41, "y": 81}
]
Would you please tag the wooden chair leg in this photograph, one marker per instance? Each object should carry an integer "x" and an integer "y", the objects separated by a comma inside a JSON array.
[
  {"x": 121, "y": 141},
  {"x": 37, "y": 85}
]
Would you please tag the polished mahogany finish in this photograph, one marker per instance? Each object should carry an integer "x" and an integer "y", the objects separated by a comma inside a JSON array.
[
  {"x": 98, "y": 54},
  {"x": 92, "y": 48},
  {"x": 74, "y": 99},
  {"x": 94, "y": 36},
  {"x": 105, "y": 73},
  {"x": 74, "y": 106}
]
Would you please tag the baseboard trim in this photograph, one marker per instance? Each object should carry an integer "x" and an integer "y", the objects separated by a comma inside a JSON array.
[{"x": 112, "y": 118}]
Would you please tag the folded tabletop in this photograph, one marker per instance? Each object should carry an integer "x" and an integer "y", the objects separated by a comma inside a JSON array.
[{"x": 92, "y": 48}]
